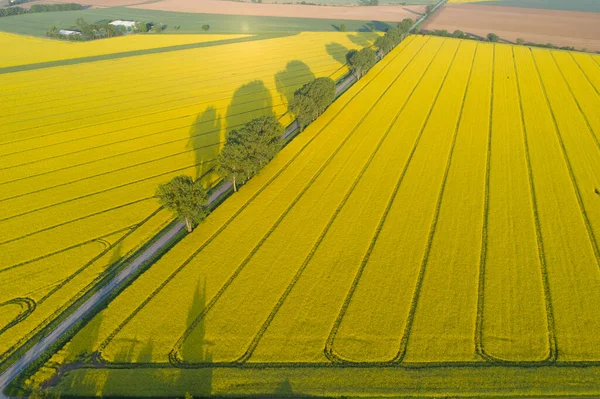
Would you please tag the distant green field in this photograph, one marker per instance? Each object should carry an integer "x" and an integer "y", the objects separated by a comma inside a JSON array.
[
  {"x": 567, "y": 5},
  {"x": 37, "y": 24}
]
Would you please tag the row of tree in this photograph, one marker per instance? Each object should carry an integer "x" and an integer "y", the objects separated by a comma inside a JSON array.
[
  {"x": 361, "y": 61},
  {"x": 7, "y": 12},
  {"x": 246, "y": 151},
  {"x": 492, "y": 37},
  {"x": 87, "y": 31},
  {"x": 459, "y": 34},
  {"x": 393, "y": 36}
]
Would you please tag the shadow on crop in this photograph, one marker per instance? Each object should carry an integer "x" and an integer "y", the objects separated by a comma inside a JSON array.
[
  {"x": 363, "y": 39},
  {"x": 375, "y": 26},
  {"x": 250, "y": 101},
  {"x": 337, "y": 52},
  {"x": 205, "y": 138},
  {"x": 295, "y": 75}
]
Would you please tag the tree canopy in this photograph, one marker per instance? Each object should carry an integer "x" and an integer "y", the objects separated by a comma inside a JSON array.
[
  {"x": 312, "y": 99},
  {"x": 248, "y": 149},
  {"x": 186, "y": 198},
  {"x": 492, "y": 37},
  {"x": 361, "y": 61}
]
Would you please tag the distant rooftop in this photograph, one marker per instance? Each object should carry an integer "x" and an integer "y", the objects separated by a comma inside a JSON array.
[{"x": 128, "y": 24}]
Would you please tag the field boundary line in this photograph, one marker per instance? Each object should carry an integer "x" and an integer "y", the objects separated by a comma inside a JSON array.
[
  {"x": 257, "y": 338},
  {"x": 584, "y": 73},
  {"x": 134, "y": 53},
  {"x": 576, "y": 189},
  {"x": 64, "y": 249},
  {"x": 160, "y": 102},
  {"x": 588, "y": 222},
  {"x": 328, "y": 349},
  {"x": 192, "y": 150},
  {"x": 174, "y": 354},
  {"x": 100, "y": 192},
  {"x": 113, "y": 121},
  {"x": 583, "y": 114},
  {"x": 75, "y": 220},
  {"x": 30, "y": 305},
  {"x": 234, "y": 216},
  {"x": 168, "y": 81},
  {"x": 222, "y": 63},
  {"x": 36, "y": 329},
  {"x": 421, "y": 277},
  {"x": 552, "y": 348},
  {"x": 486, "y": 209}
]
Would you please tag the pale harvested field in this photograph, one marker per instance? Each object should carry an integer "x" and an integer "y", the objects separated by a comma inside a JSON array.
[
  {"x": 561, "y": 28},
  {"x": 379, "y": 13}
]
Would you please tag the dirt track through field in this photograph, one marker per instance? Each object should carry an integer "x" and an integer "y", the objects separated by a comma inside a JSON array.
[
  {"x": 360, "y": 13},
  {"x": 561, "y": 28}
]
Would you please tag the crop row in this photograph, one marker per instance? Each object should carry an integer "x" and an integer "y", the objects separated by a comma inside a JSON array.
[
  {"x": 291, "y": 237},
  {"x": 40, "y": 50},
  {"x": 573, "y": 145},
  {"x": 221, "y": 61},
  {"x": 230, "y": 211}
]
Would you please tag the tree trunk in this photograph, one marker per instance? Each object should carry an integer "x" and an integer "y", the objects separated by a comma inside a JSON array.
[
  {"x": 188, "y": 224},
  {"x": 234, "y": 186}
]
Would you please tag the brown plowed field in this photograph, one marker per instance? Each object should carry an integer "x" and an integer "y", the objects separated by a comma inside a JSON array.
[
  {"x": 361, "y": 13},
  {"x": 561, "y": 28}
]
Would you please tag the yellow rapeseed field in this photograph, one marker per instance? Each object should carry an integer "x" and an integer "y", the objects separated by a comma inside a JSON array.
[
  {"x": 84, "y": 147},
  {"x": 434, "y": 231},
  {"x": 23, "y": 50}
]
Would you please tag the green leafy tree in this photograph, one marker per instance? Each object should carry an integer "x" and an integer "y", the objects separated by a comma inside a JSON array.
[
  {"x": 142, "y": 27},
  {"x": 520, "y": 41},
  {"x": 458, "y": 34},
  {"x": 186, "y": 198},
  {"x": 261, "y": 138},
  {"x": 233, "y": 164},
  {"x": 205, "y": 27},
  {"x": 343, "y": 28},
  {"x": 405, "y": 25},
  {"x": 52, "y": 32},
  {"x": 312, "y": 99},
  {"x": 362, "y": 61},
  {"x": 492, "y": 37},
  {"x": 385, "y": 43}
]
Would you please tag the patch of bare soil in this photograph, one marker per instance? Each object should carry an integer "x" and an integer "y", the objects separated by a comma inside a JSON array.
[
  {"x": 361, "y": 13},
  {"x": 561, "y": 28}
]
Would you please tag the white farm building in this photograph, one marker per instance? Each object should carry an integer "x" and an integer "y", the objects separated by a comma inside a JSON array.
[{"x": 128, "y": 25}]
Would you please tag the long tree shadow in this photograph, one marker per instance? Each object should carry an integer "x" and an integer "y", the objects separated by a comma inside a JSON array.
[
  {"x": 363, "y": 39},
  {"x": 250, "y": 101},
  {"x": 337, "y": 52},
  {"x": 196, "y": 348},
  {"x": 205, "y": 140},
  {"x": 295, "y": 75}
]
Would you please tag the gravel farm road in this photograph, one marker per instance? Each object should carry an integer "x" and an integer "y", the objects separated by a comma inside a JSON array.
[{"x": 162, "y": 242}]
